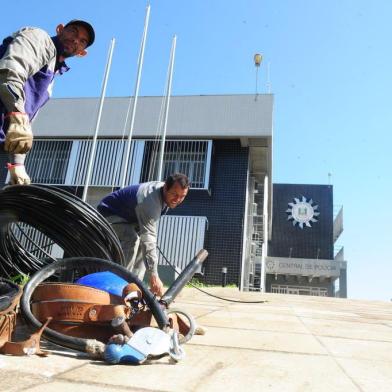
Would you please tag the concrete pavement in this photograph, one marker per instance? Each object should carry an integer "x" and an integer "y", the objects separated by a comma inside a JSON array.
[{"x": 288, "y": 343}]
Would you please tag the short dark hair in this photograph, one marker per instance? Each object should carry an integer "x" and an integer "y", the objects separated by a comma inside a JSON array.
[
  {"x": 87, "y": 26},
  {"x": 178, "y": 178}
]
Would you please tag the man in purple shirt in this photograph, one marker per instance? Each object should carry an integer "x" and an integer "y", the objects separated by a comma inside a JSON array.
[{"x": 29, "y": 60}]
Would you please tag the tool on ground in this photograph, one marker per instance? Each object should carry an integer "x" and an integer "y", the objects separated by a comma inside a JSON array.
[
  {"x": 146, "y": 343},
  {"x": 29, "y": 346},
  {"x": 10, "y": 294}
]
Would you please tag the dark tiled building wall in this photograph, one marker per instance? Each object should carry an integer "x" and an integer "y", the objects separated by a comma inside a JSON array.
[
  {"x": 224, "y": 208},
  {"x": 309, "y": 242}
]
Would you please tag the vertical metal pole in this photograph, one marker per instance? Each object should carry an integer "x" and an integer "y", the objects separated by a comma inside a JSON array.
[
  {"x": 246, "y": 236},
  {"x": 263, "y": 278},
  {"x": 103, "y": 92},
  {"x": 135, "y": 97},
  {"x": 168, "y": 93}
]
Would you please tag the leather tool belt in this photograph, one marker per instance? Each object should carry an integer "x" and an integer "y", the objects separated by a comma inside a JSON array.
[
  {"x": 86, "y": 312},
  {"x": 78, "y": 310}
]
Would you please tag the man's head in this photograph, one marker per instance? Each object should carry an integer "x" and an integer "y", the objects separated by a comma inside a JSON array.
[
  {"x": 75, "y": 37},
  {"x": 175, "y": 189}
]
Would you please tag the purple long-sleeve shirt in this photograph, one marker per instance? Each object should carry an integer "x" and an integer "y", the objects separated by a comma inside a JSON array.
[{"x": 28, "y": 64}]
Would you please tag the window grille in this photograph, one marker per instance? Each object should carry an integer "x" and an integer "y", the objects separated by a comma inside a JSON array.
[
  {"x": 108, "y": 162},
  {"x": 65, "y": 162},
  {"x": 190, "y": 157},
  {"x": 180, "y": 238},
  {"x": 299, "y": 290},
  {"x": 47, "y": 161}
]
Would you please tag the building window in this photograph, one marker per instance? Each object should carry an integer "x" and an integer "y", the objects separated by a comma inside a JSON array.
[
  {"x": 190, "y": 157},
  {"x": 108, "y": 165},
  {"x": 47, "y": 161},
  {"x": 180, "y": 238},
  {"x": 65, "y": 162},
  {"x": 299, "y": 290}
]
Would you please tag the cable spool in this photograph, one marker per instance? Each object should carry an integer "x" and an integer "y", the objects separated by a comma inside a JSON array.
[{"x": 65, "y": 219}]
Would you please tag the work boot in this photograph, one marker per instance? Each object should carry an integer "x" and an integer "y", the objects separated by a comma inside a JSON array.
[{"x": 200, "y": 330}]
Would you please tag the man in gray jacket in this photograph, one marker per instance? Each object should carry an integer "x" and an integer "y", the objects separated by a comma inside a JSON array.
[
  {"x": 29, "y": 60},
  {"x": 134, "y": 212}
]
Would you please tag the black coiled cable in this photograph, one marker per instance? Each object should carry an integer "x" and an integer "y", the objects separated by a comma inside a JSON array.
[{"x": 68, "y": 221}]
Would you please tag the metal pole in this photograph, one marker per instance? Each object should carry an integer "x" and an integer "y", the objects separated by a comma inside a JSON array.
[
  {"x": 135, "y": 97},
  {"x": 184, "y": 277},
  {"x": 264, "y": 250},
  {"x": 168, "y": 93},
  {"x": 103, "y": 92}
]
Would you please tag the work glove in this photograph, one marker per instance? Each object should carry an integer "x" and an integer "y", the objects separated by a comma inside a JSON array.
[
  {"x": 19, "y": 138},
  {"x": 18, "y": 174}
]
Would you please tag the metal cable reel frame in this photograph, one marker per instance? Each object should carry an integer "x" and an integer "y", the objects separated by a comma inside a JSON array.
[{"x": 75, "y": 343}]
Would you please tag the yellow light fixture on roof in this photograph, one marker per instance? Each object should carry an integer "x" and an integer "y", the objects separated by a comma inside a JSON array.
[{"x": 258, "y": 58}]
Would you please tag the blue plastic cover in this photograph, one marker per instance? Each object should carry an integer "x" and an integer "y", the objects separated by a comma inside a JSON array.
[
  {"x": 117, "y": 353},
  {"x": 107, "y": 281}
]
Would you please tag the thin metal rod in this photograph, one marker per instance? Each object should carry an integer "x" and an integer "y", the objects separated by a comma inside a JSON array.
[
  {"x": 257, "y": 81},
  {"x": 168, "y": 94},
  {"x": 135, "y": 97},
  {"x": 98, "y": 122}
]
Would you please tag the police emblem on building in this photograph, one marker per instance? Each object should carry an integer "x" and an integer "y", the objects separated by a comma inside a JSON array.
[{"x": 302, "y": 212}]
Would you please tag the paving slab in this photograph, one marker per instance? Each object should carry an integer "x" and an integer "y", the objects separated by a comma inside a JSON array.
[
  {"x": 208, "y": 369},
  {"x": 349, "y": 329},
  {"x": 258, "y": 320},
  {"x": 359, "y": 349},
  {"x": 287, "y": 343},
  {"x": 370, "y": 375}
]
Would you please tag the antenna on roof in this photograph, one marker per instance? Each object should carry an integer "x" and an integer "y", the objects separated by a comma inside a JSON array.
[
  {"x": 134, "y": 100},
  {"x": 257, "y": 59},
  {"x": 167, "y": 102},
  {"x": 98, "y": 121}
]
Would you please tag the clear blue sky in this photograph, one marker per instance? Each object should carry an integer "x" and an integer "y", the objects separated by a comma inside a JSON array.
[{"x": 330, "y": 71}]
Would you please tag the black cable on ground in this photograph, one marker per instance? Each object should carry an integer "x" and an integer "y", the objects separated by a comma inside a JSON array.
[
  {"x": 205, "y": 292},
  {"x": 62, "y": 217}
]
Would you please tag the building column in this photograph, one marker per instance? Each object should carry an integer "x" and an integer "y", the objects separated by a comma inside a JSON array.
[{"x": 343, "y": 283}]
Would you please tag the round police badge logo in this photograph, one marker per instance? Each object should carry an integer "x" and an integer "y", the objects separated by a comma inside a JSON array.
[{"x": 302, "y": 212}]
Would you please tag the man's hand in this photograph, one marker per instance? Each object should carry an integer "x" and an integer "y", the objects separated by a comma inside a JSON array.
[
  {"x": 156, "y": 285},
  {"x": 19, "y": 138},
  {"x": 18, "y": 174}
]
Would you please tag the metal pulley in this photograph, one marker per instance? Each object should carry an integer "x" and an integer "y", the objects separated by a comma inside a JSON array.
[{"x": 146, "y": 343}]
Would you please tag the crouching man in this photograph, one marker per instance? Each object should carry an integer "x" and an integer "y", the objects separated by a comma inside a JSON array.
[{"x": 134, "y": 213}]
